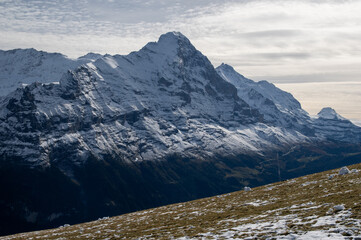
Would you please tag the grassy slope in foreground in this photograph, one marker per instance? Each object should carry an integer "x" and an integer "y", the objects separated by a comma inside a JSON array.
[{"x": 302, "y": 208}]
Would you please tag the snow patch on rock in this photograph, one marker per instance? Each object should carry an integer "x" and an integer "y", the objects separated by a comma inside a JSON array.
[{"x": 344, "y": 171}]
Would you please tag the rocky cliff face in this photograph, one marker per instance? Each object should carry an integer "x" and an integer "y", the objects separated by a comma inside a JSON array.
[
  {"x": 161, "y": 125},
  {"x": 165, "y": 99}
]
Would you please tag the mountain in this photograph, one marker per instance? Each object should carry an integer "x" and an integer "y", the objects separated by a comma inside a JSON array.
[
  {"x": 280, "y": 108},
  {"x": 90, "y": 56},
  {"x": 319, "y": 206},
  {"x": 330, "y": 124},
  {"x": 277, "y": 106},
  {"x": 160, "y": 125},
  {"x": 165, "y": 99},
  {"x": 25, "y": 66}
]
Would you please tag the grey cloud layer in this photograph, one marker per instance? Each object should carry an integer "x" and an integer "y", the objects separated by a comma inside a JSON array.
[
  {"x": 284, "y": 41},
  {"x": 242, "y": 33}
]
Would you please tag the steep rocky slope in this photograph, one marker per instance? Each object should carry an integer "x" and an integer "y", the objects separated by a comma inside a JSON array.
[{"x": 277, "y": 106}]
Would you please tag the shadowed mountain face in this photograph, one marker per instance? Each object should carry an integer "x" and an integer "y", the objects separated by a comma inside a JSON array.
[
  {"x": 301, "y": 208},
  {"x": 161, "y": 125}
]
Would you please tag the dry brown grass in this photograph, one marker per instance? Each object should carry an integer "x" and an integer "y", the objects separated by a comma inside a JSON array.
[{"x": 303, "y": 197}]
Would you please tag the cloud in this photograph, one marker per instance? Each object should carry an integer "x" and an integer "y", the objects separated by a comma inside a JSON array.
[
  {"x": 277, "y": 33},
  {"x": 280, "y": 40},
  {"x": 279, "y": 55},
  {"x": 344, "y": 97},
  {"x": 242, "y": 33}
]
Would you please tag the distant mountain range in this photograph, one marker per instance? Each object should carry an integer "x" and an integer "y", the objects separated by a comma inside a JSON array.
[{"x": 104, "y": 135}]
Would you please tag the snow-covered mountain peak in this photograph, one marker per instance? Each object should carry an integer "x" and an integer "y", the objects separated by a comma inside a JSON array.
[
  {"x": 172, "y": 63},
  {"x": 171, "y": 44},
  {"x": 226, "y": 67},
  {"x": 24, "y": 66},
  {"x": 228, "y": 73},
  {"x": 90, "y": 56},
  {"x": 329, "y": 113},
  {"x": 329, "y": 123},
  {"x": 172, "y": 37}
]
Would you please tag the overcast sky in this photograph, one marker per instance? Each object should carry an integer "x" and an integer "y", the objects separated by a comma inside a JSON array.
[{"x": 285, "y": 42}]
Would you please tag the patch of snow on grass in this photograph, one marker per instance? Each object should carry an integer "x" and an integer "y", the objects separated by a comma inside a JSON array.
[{"x": 257, "y": 203}]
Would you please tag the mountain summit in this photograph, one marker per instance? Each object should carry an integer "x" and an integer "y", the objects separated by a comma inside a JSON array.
[
  {"x": 161, "y": 122},
  {"x": 329, "y": 113},
  {"x": 171, "y": 42}
]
